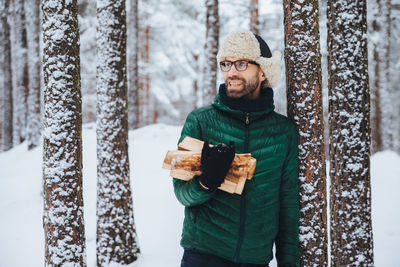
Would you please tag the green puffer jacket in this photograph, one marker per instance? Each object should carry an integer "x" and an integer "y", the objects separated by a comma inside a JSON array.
[{"x": 243, "y": 228}]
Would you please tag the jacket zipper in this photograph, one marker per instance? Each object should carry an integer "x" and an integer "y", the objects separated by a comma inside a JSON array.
[{"x": 242, "y": 219}]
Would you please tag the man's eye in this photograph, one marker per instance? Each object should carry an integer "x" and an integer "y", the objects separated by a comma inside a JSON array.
[{"x": 241, "y": 65}]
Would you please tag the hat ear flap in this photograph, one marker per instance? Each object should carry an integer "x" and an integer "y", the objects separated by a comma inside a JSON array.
[{"x": 271, "y": 68}]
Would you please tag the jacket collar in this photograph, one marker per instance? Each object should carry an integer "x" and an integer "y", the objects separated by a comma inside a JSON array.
[{"x": 245, "y": 108}]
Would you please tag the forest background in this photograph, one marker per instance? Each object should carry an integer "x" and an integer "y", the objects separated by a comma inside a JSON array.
[{"x": 172, "y": 59}]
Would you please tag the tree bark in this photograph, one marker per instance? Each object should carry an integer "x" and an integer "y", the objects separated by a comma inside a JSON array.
[
  {"x": 63, "y": 203},
  {"x": 254, "y": 22},
  {"x": 211, "y": 50},
  {"x": 133, "y": 73},
  {"x": 6, "y": 107},
  {"x": 349, "y": 115},
  {"x": 304, "y": 97},
  {"x": 116, "y": 233},
  {"x": 34, "y": 117}
]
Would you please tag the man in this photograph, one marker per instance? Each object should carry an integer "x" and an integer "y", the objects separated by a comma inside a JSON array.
[{"x": 226, "y": 230}]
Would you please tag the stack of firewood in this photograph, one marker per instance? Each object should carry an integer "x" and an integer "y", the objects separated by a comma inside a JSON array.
[{"x": 184, "y": 164}]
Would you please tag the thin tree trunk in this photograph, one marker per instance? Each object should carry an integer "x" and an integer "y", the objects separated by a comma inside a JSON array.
[
  {"x": 63, "y": 203},
  {"x": 144, "y": 77},
  {"x": 254, "y": 22},
  {"x": 34, "y": 117},
  {"x": 19, "y": 71},
  {"x": 382, "y": 116},
  {"x": 6, "y": 107},
  {"x": 376, "y": 132},
  {"x": 349, "y": 106},
  {"x": 195, "y": 58},
  {"x": 211, "y": 50},
  {"x": 116, "y": 233},
  {"x": 133, "y": 74},
  {"x": 304, "y": 97}
]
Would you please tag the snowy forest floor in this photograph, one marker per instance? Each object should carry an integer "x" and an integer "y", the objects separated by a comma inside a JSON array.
[{"x": 158, "y": 215}]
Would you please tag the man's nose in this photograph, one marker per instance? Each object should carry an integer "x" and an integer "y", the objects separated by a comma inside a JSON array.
[{"x": 233, "y": 71}]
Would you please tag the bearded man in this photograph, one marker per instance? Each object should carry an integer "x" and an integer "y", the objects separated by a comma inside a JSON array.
[{"x": 231, "y": 230}]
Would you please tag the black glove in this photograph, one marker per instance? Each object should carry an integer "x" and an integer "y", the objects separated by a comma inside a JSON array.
[{"x": 215, "y": 163}]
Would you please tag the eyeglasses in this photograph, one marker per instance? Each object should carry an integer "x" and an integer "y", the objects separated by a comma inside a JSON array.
[{"x": 240, "y": 65}]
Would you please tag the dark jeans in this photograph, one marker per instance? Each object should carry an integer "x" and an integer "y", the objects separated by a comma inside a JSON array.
[{"x": 196, "y": 259}]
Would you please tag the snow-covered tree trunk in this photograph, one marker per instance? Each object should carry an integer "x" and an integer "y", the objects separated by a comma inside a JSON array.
[
  {"x": 19, "y": 70},
  {"x": 349, "y": 115},
  {"x": 116, "y": 233},
  {"x": 383, "y": 104},
  {"x": 304, "y": 97},
  {"x": 33, "y": 131},
  {"x": 211, "y": 50},
  {"x": 6, "y": 107},
  {"x": 62, "y": 149},
  {"x": 133, "y": 74},
  {"x": 254, "y": 21}
]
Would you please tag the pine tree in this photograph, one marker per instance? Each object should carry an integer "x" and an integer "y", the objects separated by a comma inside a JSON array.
[
  {"x": 133, "y": 74},
  {"x": 63, "y": 203},
  {"x": 304, "y": 97},
  {"x": 382, "y": 102},
  {"x": 116, "y": 233},
  {"x": 254, "y": 21},
  {"x": 33, "y": 131},
  {"x": 6, "y": 108},
  {"x": 211, "y": 50},
  {"x": 19, "y": 70},
  {"x": 349, "y": 111}
]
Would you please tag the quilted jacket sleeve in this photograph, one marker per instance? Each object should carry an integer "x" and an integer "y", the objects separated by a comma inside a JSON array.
[
  {"x": 191, "y": 193},
  {"x": 287, "y": 241}
]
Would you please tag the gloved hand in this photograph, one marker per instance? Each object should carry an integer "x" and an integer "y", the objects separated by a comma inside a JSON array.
[{"x": 215, "y": 163}]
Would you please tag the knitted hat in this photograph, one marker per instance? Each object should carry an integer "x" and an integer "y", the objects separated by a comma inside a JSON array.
[{"x": 247, "y": 45}]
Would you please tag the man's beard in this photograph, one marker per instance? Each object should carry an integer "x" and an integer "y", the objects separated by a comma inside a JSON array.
[{"x": 249, "y": 87}]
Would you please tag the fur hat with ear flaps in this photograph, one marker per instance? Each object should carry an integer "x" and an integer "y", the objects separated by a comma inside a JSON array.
[{"x": 244, "y": 44}]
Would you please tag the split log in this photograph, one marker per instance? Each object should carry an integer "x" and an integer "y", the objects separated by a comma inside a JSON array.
[
  {"x": 185, "y": 164},
  {"x": 191, "y": 144}
]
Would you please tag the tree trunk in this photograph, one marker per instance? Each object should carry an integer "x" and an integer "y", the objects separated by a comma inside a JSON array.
[
  {"x": 144, "y": 76},
  {"x": 19, "y": 71},
  {"x": 34, "y": 117},
  {"x": 195, "y": 58},
  {"x": 254, "y": 22},
  {"x": 304, "y": 97},
  {"x": 133, "y": 75},
  {"x": 383, "y": 106},
  {"x": 376, "y": 132},
  {"x": 394, "y": 70},
  {"x": 116, "y": 233},
  {"x": 6, "y": 107},
  {"x": 349, "y": 106},
  {"x": 63, "y": 203},
  {"x": 211, "y": 50}
]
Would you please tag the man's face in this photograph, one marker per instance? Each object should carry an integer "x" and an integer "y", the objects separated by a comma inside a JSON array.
[{"x": 245, "y": 83}]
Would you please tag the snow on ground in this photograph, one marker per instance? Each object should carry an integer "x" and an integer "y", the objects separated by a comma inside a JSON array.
[
  {"x": 385, "y": 187},
  {"x": 158, "y": 215}
]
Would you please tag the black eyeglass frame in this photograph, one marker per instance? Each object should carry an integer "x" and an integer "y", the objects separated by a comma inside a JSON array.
[{"x": 237, "y": 62}]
